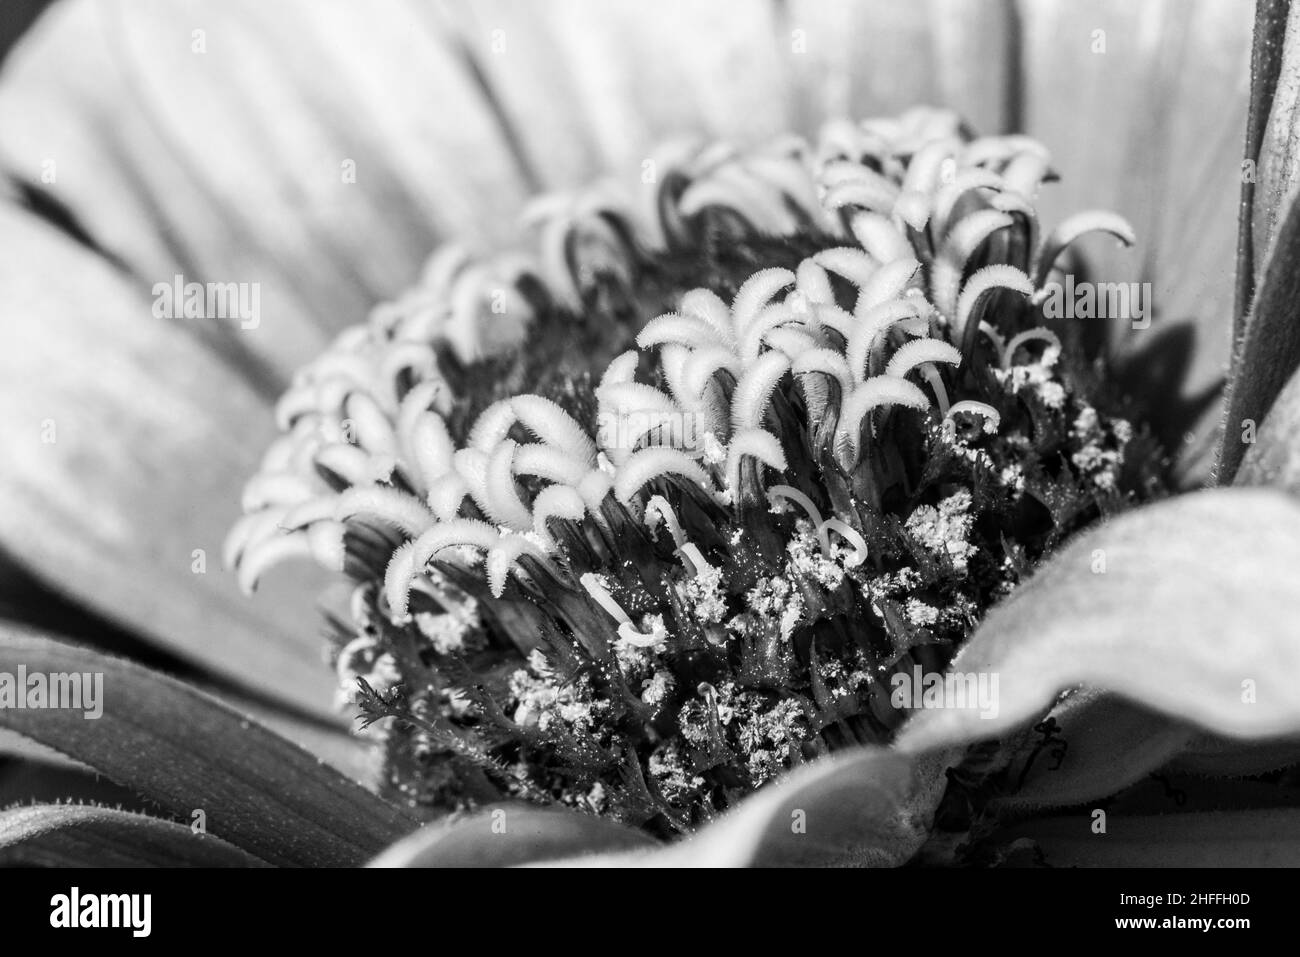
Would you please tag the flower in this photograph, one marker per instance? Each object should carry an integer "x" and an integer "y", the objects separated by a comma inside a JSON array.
[
  {"x": 587, "y": 542},
  {"x": 1070, "y": 624}
]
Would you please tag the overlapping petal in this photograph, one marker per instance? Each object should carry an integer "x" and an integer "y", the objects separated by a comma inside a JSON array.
[
  {"x": 1177, "y": 607},
  {"x": 867, "y": 808}
]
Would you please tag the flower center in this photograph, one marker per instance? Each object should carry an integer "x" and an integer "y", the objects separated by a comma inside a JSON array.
[{"x": 646, "y": 516}]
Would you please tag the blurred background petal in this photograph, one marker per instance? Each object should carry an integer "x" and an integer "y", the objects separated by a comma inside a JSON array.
[
  {"x": 1143, "y": 106},
  {"x": 319, "y": 149},
  {"x": 877, "y": 57},
  {"x": 126, "y": 442}
]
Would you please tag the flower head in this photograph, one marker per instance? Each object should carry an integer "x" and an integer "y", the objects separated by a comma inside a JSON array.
[{"x": 689, "y": 490}]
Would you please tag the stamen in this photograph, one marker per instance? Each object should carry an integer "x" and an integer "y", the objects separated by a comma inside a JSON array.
[
  {"x": 754, "y": 391},
  {"x": 985, "y": 281},
  {"x": 829, "y": 314},
  {"x": 992, "y": 418},
  {"x": 876, "y": 392},
  {"x": 326, "y": 542},
  {"x": 999, "y": 344},
  {"x": 502, "y": 560},
  {"x": 600, "y": 594},
  {"x": 694, "y": 559},
  {"x": 793, "y": 342},
  {"x": 1026, "y": 172},
  {"x": 870, "y": 330},
  {"x": 260, "y": 557},
  {"x": 709, "y": 306},
  {"x": 446, "y": 495},
  {"x": 756, "y": 292},
  {"x": 627, "y": 399},
  {"x": 1037, "y": 334},
  {"x": 649, "y": 464},
  {"x": 704, "y": 364},
  {"x": 880, "y": 237},
  {"x": 501, "y": 499},
  {"x": 398, "y": 576},
  {"x": 789, "y": 174},
  {"x": 351, "y": 464},
  {"x": 275, "y": 489},
  {"x": 729, "y": 188},
  {"x": 918, "y": 352},
  {"x": 770, "y": 318},
  {"x": 429, "y": 447},
  {"x": 927, "y": 163},
  {"x": 657, "y": 509},
  {"x": 887, "y": 284},
  {"x": 593, "y": 489},
  {"x": 756, "y": 443},
  {"x": 403, "y": 512},
  {"x": 457, "y": 533},
  {"x": 793, "y": 495},
  {"x": 965, "y": 238},
  {"x": 247, "y": 531},
  {"x": 552, "y": 425},
  {"x": 1070, "y": 230},
  {"x": 813, "y": 283},
  {"x": 671, "y": 327},
  {"x": 550, "y": 463},
  {"x": 493, "y": 424},
  {"x": 415, "y": 359},
  {"x": 628, "y": 635},
  {"x": 826, "y": 362},
  {"x": 622, "y": 369},
  {"x": 852, "y": 264},
  {"x": 849, "y": 534},
  {"x": 999, "y": 149},
  {"x": 950, "y": 194},
  {"x": 556, "y": 501}
]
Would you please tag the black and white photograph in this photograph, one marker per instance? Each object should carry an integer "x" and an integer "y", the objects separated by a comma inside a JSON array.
[{"x": 651, "y": 434}]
